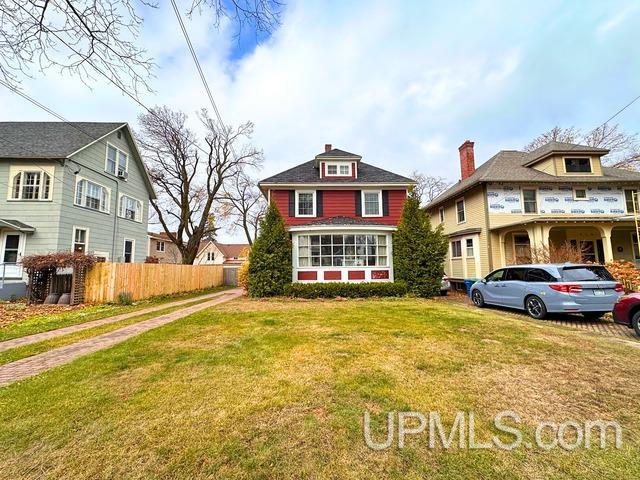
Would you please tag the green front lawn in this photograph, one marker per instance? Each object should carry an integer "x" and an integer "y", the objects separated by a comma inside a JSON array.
[
  {"x": 35, "y": 322},
  {"x": 277, "y": 389}
]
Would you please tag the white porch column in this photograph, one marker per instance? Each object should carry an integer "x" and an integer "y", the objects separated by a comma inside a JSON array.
[{"x": 606, "y": 242}]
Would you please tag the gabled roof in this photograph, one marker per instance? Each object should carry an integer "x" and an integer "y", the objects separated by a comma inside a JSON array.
[
  {"x": 59, "y": 140},
  {"x": 511, "y": 166},
  {"x": 230, "y": 250},
  {"x": 50, "y": 139},
  {"x": 554, "y": 148},
  {"x": 307, "y": 172}
]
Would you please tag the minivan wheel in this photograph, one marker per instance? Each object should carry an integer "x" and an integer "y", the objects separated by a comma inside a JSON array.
[
  {"x": 477, "y": 298},
  {"x": 535, "y": 307},
  {"x": 635, "y": 323}
]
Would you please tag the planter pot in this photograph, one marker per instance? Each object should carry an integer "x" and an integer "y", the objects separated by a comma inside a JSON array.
[
  {"x": 65, "y": 299},
  {"x": 52, "y": 299}
]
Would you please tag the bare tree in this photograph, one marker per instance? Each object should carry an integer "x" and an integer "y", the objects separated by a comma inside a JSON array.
[
  {"x": 428, "y": 187},
  {"x": 244, "y": 205},
  {"x": 89, "y": 37},
  {"x": 189, "y": 182},
  {"x": 624, "y": 147}
]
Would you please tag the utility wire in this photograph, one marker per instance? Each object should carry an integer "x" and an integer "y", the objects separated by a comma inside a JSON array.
[{"x": 197, "y": 63}]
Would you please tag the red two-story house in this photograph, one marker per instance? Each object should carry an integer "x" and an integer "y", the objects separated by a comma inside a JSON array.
[{"x": 341, "y": 214}]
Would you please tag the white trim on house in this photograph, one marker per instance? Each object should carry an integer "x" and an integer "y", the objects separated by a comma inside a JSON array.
[
  {"x": 139, "y": 214},
  {"x": 586, "y": 194},
  {"x": 118, "y": 152},
  {"x": 337, "y": 186},
  {"x": 97, "y": 140},
  {"x": 314, "y": 201},
  {"x": 22, "y": 169},
  {"x": 332, "y": 228},
  {"x": 86, "y": 238},
  {"x": 12, "y": 271},
  {"x": 133, "y": 249},
  {"x": 75, "y": 196},
  {"x": 464, "y": 210},
  {"x": 338, "y": 166},
  {"x": 363, "y": 206},
  {"x": 344, "y": 270}
]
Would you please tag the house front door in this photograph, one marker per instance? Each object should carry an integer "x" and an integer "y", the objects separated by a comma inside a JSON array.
[{"x": 11, "y": 251}]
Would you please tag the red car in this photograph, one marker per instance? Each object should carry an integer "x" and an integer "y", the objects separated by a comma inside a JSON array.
[{"x": 627, "y": 311}]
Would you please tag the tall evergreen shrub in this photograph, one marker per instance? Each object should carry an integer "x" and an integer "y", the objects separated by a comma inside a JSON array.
[
  {"x": 270, "y": 259},
  {"x": 418, "y": 250}
]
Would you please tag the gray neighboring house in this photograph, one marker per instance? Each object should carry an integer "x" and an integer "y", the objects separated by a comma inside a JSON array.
[{"x": 75, "y": 187}]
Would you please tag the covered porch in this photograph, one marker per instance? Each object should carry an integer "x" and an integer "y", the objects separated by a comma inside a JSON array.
[
  {"x": 597, "y": 241},
  {"x": 13, "y": 238}
]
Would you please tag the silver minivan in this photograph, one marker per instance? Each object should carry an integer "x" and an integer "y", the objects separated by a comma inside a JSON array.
[{"x": 559, "y": 288}]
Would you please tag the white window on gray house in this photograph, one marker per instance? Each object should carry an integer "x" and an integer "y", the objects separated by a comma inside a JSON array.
[
  {"x": 305, "y": 204},
  {"x": 28, "y": 185},
  {"x": 116, "y": 161},
  {"x": 462, "y": 217},
  {"x": 372, "y": 203},
  {"x": 469, "y": 245},
  {"x": 456, "y": 249},
  {"x": 80, "y": 239},
  {"x": 130, "y": 208},
  {"x": 92, "y": 195},
  {"x": 159, "y": 246},
  {"x": 577, "y": 165},
  {"x": 529, "y": 200},
  {"x": 629, "y": 198}
]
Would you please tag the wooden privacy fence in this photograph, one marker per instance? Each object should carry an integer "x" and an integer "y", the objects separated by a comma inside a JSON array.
[{"x": 143, "y": 280}]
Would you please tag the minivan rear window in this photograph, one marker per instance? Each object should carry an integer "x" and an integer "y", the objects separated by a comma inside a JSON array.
[{"x": 593, "y": 273}]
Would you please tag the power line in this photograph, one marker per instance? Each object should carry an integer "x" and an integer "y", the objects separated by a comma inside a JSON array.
[{"x": 197, "y": 63}]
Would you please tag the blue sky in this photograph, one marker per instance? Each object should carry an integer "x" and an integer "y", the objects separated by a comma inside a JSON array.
[{"x": 403, "y": 84}]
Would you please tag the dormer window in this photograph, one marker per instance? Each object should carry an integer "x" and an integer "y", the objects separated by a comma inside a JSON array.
[
  {"x": 577, "y": 165},
  {"x": 338, "y": 170}
]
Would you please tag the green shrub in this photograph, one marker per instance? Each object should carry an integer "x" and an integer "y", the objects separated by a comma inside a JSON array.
[
  {"x": 270, "y": 259},
  {"x": 348, "y": 290},
  {"x": 124, "y": 298},
  {"x": 418, "y": 250}
]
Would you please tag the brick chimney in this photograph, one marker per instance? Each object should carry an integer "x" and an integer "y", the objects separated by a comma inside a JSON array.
[
  {"x": 327, "y": 147},
  {"x": 467, "y": 162}
]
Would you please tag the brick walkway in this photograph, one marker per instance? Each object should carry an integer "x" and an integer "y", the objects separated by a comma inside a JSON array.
[
  {"x": 39, "y": 337},
  {"x": 28, "y": 367},
  {"x": 603, "y": 327}
]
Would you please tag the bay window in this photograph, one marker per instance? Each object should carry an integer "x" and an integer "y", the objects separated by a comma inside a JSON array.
[
  {"x": 92, "y": 195},
  {"x": 30, "y": 185},
  {"x": 343, "y": 250},
  {"x": 130, "y": 208}
]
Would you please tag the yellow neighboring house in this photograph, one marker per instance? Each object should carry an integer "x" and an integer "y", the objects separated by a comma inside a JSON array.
[{"x": 518, "y": 201}]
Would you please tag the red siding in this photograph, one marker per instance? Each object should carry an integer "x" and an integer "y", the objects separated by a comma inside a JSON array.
[
  {"x": 340, "y": 203},
  {"x": 356, "y": 274},
  {"x": 333, "y": 275},
  {"x": 307, "y": 275}
]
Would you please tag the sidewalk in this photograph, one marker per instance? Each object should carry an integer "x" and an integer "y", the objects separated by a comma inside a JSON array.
[
  {"x": 39, "y": 337},
  {"x": 30, "y": 366}
]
